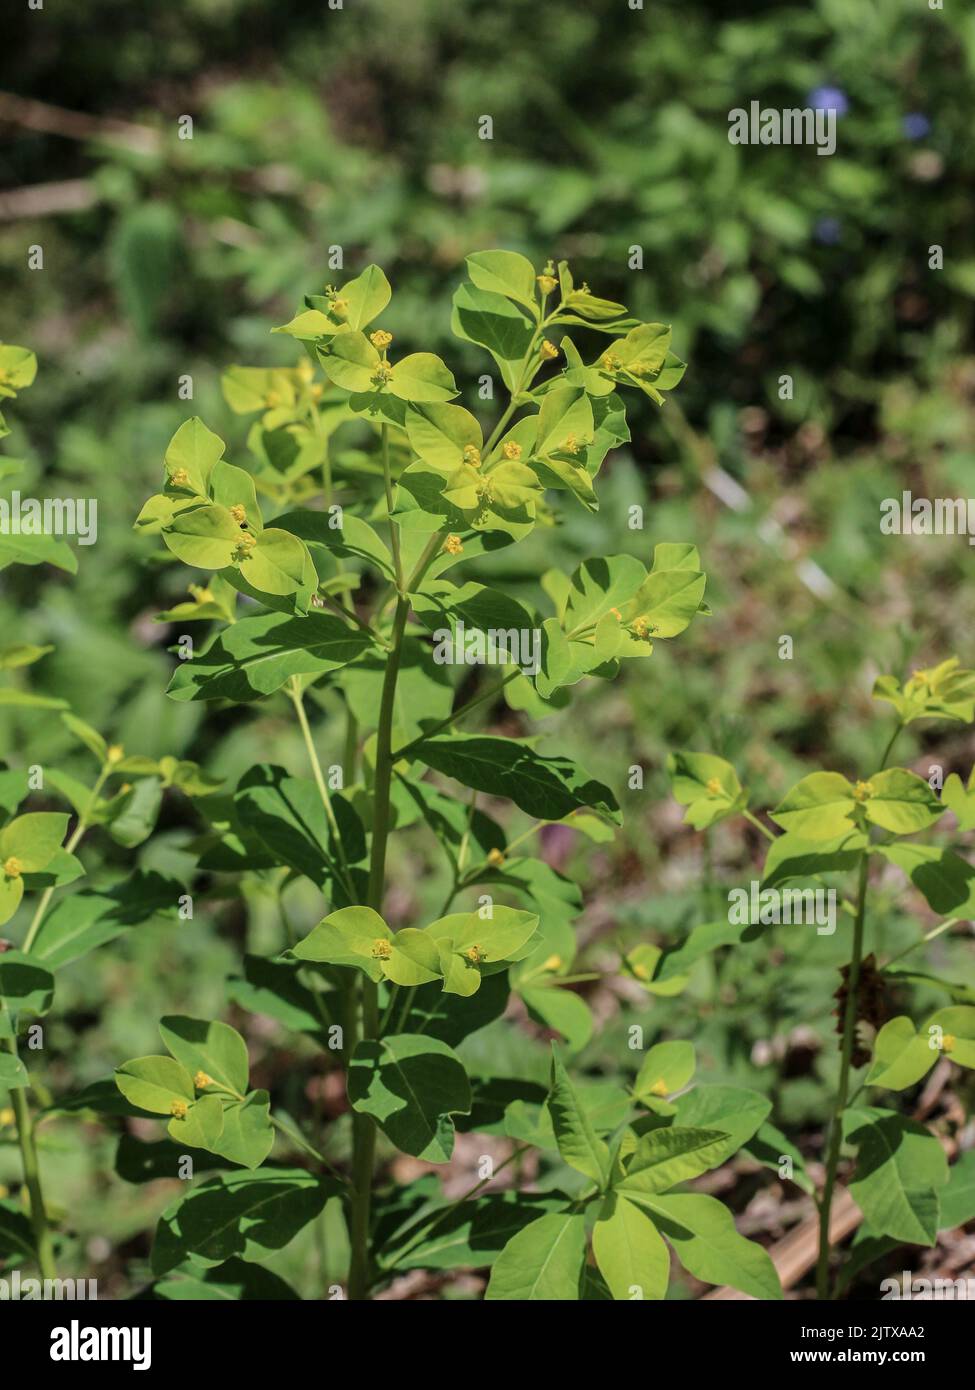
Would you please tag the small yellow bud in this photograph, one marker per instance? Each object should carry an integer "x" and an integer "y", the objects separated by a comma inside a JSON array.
[
  {"x": 244, "y": 547},
  {"x": 641, "y": 972},
  {"x": 7, "y": 1116},
  {"x": 714, "y": 786},
  {"x": 201, "y": 1080},
  {"x": 453, "y": 545},
  {"x": 317, "y": 391},
  {"x": 305, "y": 370},
  {"x": 272, "y": 399},
  {"x": 178, "y": 1109},
  {"x": 642, "y": 629},
  {"x": 472, "y": 455},
  {"x": 115, "y": 753},
  {"x": 381, "y": 949},
  {"x": 546, "y": 283},
  {"x": 863, "y": 791},
  {"x": 383, "y": 374},
  {"x": 179, "y": 477},
  {"x": 238, "y": 513},
  {"x": 512, "y": 450},
  {"x": 616, "y": 613},
  {"x": 549, "y": 351},
  {"x": 495, "y": 857},
  {"x": 610, "y": 362},
  {"x": 12, "y": 867},
  {"x": 570, "y": 445},
  {"x": 474, "y": 954},
  {"x": 659, "y": 1088},
  {"x": 948, "y": 1042},
  {"x": 340, "y": 308},
  {"x": 380, "y": 339},
  {"x": 553, "y": 963}
]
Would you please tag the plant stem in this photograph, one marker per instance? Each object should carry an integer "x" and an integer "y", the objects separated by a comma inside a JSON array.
[
  {"x": 294, "y": 693},
  {"x": 388, "y": 485},
  {"x": 363, "y": 1127},
  {"x": 488, "y": 694},
  {"x": 753, "y": 820},
  {"x": 843, "y": 1090},
  {"x": 70, "y": 847},
  {"x": 43, "y": 1241}
]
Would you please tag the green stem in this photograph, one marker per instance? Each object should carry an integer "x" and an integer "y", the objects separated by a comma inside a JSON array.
[
  {"x": 843, "y": 1090},
  {"x": 890, "y": 746},
  {"x": 944, "y": 926},
  {"x": 451, "y": 719},
  {"x": 70, "y": 846},
  {"x": 43, "y": 1240},
  {"x": 753, "y": 820},
  {"x": 424, "y": 1232},
  {"x": 388, "y": 485},
  {"x": 363, "y": 1127},
  {"x": 295, "y": 695}
]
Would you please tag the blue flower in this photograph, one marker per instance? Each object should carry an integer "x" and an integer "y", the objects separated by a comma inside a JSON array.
[
  {"x": 829, "y": 99},
  {"x": 828, "y": 230},
  {"x": 916, "y": 125}
]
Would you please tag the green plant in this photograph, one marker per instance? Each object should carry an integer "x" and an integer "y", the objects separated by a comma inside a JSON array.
[
  {"x": 391, "y": 1007},
  {"x": 833, "y": 827}
]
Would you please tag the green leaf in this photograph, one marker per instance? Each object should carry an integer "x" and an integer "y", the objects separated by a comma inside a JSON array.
[
  {"x": 13, "y": 1073},
  {"x": 194, "y": 449},
  {"x": 667, "y": 1067},
  {"x": 737, "y": 1111},
  {"x": 629, "y": 1251},
  {"x": 901, "y": 802},
  {"x": 351, "y": 361},
  {"x": 702, "y": 1232},
  {"x": 32, "y": 840},
  {"x": 790, "y": 856},
  {"x": 467, "y": 1235},
  {"x": 210, "y": 1047},
  {"x": 26, "y": 987},
  {"x": 247, "y": 1136},
  {"x": 548, "y": 787},
  {"x": 577, "y": 1141},
  {"x": 422, "y": 376},
  {"x": 288, "y": 817},
  {"x": 961, "y": 799},
  {"x": 76, "y": 925},
  {"x": 155, "y": 1084},
  {"x": 819, "y": 807},
  {"x": 667, "y": 1156},
  {"x": 443, "y": 435},
  {"x": 707, "y": 785},
  {"x": 542, "y": 1263},
  {"x": 945, "y": 691},
  {"x": 900, "y": 1169},
  {"x": 234, "y": 1281},
  {"x": 901, "y": 1056},
  {"x": 200, "y": 1127},
  {"x": 504, "y": 272},
  {"x": 257, "y": 655},
  {"x": 239, "y": 1214},
  {"x": 958, "y": 1198},
  {"x": 493, "y": 322},
  {"x": 411, "y": 1085}
]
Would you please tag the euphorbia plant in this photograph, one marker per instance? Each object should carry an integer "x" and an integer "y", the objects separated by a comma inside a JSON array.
[
  {"x": 382, "y": 528},
  {"x": 833, "y": 827}
]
